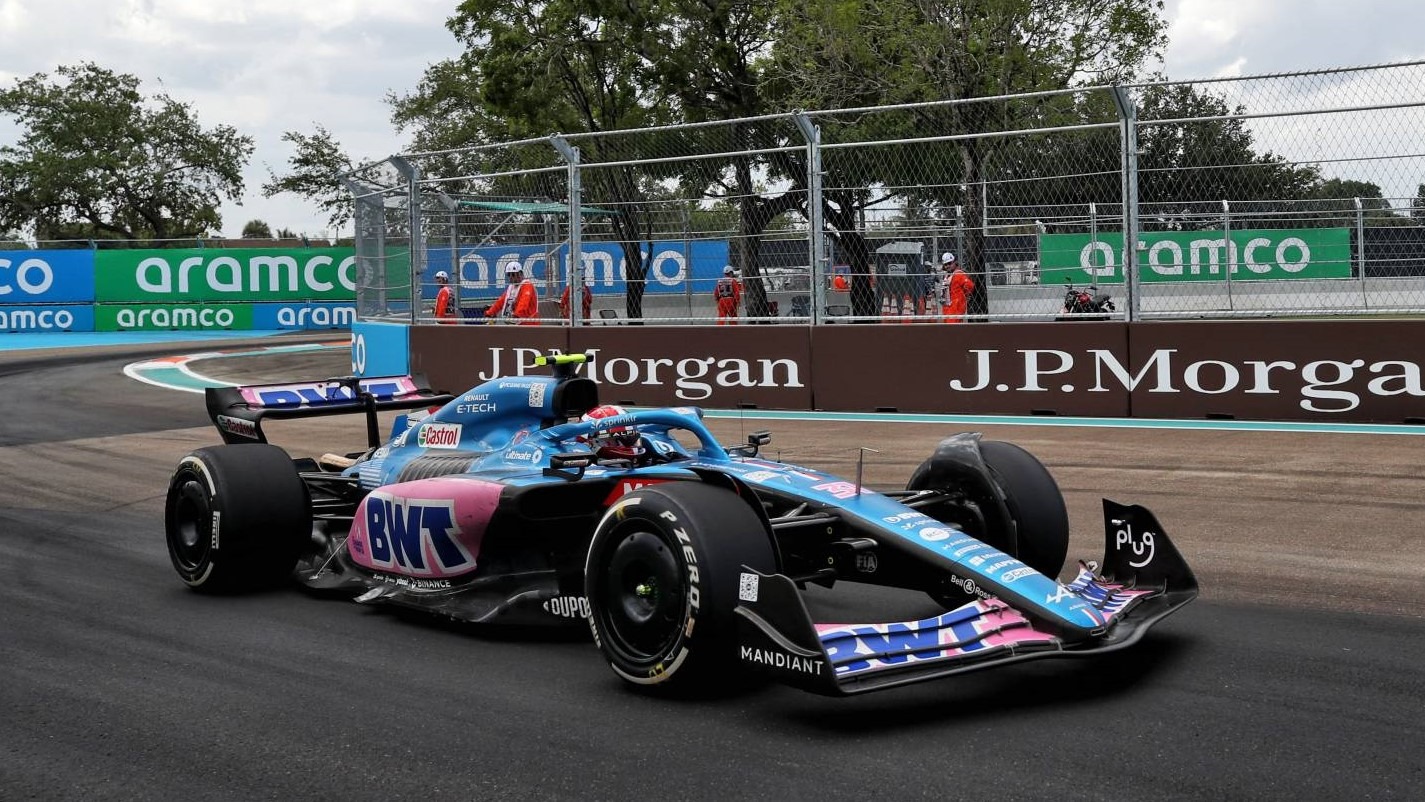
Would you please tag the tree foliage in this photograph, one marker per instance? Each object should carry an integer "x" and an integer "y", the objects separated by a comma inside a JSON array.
[
  {"x": 531, "y": 69},
  {"x": 313, "y": 169},
  {"x": 98, "y": 159},
  {"x": 257, "y": 229},
  {"x": 853, "y": 53}
]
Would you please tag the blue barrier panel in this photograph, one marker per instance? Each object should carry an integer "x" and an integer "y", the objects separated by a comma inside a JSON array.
[
  {"x": 303, "y": 316},
  {"x": 28, "y": 277},
  {"x": 380, "y": 349},
  {"x": 46, "y": 318},
  {"x": 668, "y": 264}
]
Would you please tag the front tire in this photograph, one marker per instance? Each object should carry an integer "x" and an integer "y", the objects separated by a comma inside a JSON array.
[
  {"x": 1032, "y": 499},
  {"x": 662, "y": 580},
  {"x": 237, "y": 517},
  {"x": 1035, "y": 503}
]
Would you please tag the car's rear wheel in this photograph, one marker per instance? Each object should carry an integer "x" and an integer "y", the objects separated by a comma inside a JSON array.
[
  {"x": 237, "y": 517},
  {"x": 662, "y": 580}
]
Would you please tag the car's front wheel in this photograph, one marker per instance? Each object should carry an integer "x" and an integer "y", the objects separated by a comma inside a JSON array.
[
  {"x": 1032, "y": 501},
  {"x": 662, "y": 578},
  {"x": 236, "y": 518}
]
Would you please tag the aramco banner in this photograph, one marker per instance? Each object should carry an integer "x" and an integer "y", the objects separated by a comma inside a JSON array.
[
  {"x": 225, "y": 275},
  {"x": 1167, "y": 256}
]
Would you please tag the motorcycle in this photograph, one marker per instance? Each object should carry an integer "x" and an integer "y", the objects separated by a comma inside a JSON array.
[{"x": 1086, "y": 304}]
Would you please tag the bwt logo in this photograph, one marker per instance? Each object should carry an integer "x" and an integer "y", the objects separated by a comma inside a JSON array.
[
  {"x": 317, "y": 394},
  {"x": 414, "y": 536}
]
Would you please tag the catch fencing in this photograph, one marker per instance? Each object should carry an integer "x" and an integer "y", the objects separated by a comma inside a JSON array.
[{"x": 1282, "y": 195}]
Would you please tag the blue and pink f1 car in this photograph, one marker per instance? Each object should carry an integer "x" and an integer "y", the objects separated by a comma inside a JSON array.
[{"x": 513, "y": 503}]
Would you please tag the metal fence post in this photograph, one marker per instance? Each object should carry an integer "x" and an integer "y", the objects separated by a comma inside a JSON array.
[
  {"x": 1230, "y": 252},
  {"x": 452, "y": 206},
  {"x": 815, "y": 229},
  {"x": 1128, "y": 115},
  {"x": 687, "y": 215},
  {"x": 959, "y": 230},
  {"x": 576, "y": 229},
  {"x": 1361, "y": 249},
  {"x": 370, "y": 242},
  {"x": 412, "y": 174}
]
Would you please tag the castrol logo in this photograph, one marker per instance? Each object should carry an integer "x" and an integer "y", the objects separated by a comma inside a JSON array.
[{"x": 439, "y": 435}]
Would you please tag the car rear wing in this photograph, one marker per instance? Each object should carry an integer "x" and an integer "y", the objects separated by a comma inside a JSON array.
[
  {"x": 238, "y": 412},
  {"x": 1142, "y": 580}
]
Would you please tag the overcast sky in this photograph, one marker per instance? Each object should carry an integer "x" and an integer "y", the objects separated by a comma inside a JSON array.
[{"x": 269, "y": 66}]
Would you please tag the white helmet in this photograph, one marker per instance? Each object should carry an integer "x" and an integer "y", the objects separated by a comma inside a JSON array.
[
  {"x": 441, "y": 274},
  {"x": 947, "y": 257},
  {"x": 513, "y": 267}
]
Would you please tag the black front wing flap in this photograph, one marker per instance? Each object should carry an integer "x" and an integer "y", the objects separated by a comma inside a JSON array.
[{"x": 1143, "y": 579}]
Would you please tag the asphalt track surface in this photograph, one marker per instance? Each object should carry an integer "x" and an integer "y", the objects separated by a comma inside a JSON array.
[{"x": 1297, "y": 675}]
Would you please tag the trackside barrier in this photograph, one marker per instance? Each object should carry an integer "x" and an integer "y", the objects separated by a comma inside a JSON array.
[
  {"x": 1336, "y": 370},
  {"x": 187, "y": 289}
]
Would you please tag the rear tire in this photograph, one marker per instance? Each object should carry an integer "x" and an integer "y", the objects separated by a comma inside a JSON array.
[
  {"x": 662, "y": 580},
  {"x": 237, "y": 517}
]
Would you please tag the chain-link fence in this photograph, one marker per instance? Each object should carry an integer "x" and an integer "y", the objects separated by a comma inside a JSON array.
[{"x": 1293, "y": 194}]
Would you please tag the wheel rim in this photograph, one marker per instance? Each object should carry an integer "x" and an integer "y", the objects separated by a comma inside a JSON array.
[
  {"x": 645, "y": 601},
  {"x": 189, "y": 524}
]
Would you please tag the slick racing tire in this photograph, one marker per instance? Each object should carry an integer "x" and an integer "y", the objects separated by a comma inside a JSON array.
[
  {"x": 662, "y": 581},
  {"x": 1032, "y": 500},
  {"x": 237, "y": 517},
  {"x": 1035, "y": 503}
]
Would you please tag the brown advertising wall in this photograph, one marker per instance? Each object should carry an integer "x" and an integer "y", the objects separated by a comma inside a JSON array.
[
  {"x": 1340, "y": 370},
  {"x": 1013, "y": 369},
  {"x": 707, "y": 366},
  {"x": 765, "y": 366},
  {"x": 456, "y": 358},
  {"x": 1348, "y": 370}
]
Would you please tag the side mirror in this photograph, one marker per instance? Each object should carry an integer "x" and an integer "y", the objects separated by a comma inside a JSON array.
[
  {"x": 569, "y": 466},
  {"x": 754, "y": 441}
]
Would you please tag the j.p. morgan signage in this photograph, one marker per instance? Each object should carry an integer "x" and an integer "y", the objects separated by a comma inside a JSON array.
[
  {"x": 1287, "y": 370},
  {"x": 1273, "y": 370},
  {"x": 1329, "y": 386},
  {"x": 763, "y": 365}
]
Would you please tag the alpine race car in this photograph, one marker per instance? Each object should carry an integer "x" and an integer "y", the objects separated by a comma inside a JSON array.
[{"x": 514, "y": 503}]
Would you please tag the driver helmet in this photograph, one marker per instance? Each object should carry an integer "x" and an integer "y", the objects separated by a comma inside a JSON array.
[{"x": 619, "y": 442}]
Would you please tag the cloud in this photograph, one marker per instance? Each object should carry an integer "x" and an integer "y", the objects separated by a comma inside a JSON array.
[
  {"x": 261, "y": 66},
  {"x": 1208, "y": 37},
  {"x": 269, "y": 66}
]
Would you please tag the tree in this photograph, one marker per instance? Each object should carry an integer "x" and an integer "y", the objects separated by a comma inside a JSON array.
[
  {"x": 1417, "y": 209},
  {"x": 313, "y": 173},
  {"x": 847, "y": 53},
  {"x": 257, "y": 229},
  {"x": 286, "y": 233},
  {"x": 531, "y": 68},
  {"x": 97, "y": 159},
  {"x": 1341, "y": 195}
]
